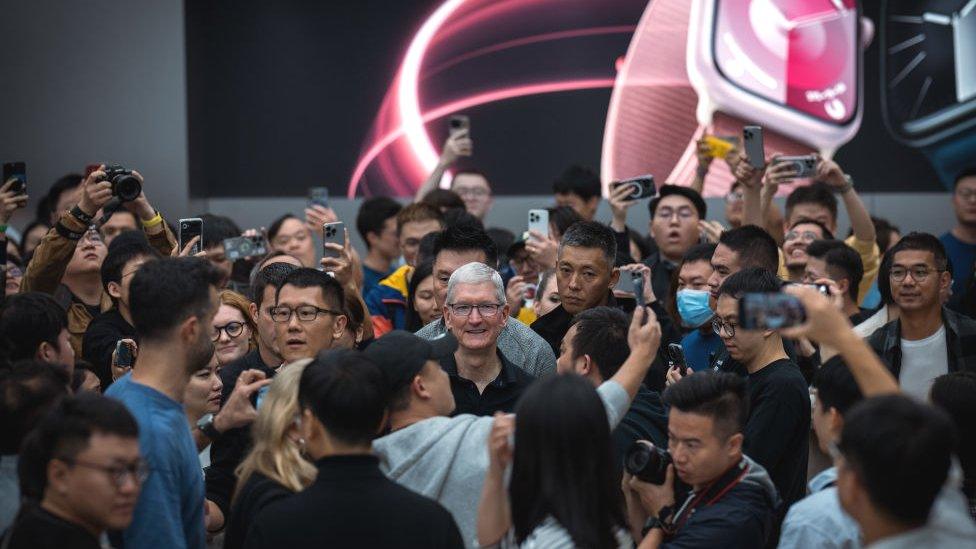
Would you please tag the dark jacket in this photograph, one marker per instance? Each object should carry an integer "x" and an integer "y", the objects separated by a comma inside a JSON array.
[
  {"x": 960, "y": 340},
  {"x": 227, "y": 452},
  {"x": 35, "y": 528},
  {"x": 351, "y": 504},
  {"x": 647, "y": 419},
  {"x": 100, "y": 339},
  {"x": 257, "y": 493},
  {"x": 736, "y": 511}
]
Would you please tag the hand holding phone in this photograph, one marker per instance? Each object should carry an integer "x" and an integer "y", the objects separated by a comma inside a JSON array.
[
  {"x": 770, "y": 311},
  {"x": 539, "y": 221},
  {"x": 333, "y": 233},
  {"x": 752, "y": 139},
  {"x": 189, "y": 228},
  {"x": 641, "y": 187},
  {"x": 801, "y": 167},
  {"x": 676, "y": 357},
  {"x": 318, "y": 196},
  {"x": 18, "y": 172},
  {"x": 459, "y": 123}
]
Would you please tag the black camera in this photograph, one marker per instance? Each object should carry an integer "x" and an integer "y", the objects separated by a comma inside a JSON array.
[
  {"x": 640, "y": 187},
  {"x": 125, "y": 186},
  {"x": 647, "y": 462}
]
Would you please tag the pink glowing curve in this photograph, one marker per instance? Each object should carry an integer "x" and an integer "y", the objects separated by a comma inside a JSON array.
[
  {"x": 465, "y": 103},
  {"x": 547, "y": 37}
]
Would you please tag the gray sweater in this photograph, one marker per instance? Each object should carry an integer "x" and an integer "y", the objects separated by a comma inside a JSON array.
[
  {"x": 445, "y": 458},
  {"x": 523, "y": 347}
]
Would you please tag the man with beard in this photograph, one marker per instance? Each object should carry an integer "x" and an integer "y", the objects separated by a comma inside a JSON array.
[{"x": 173, "y": 302}]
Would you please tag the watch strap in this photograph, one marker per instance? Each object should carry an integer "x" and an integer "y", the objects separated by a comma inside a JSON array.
[{"x": 207, "y": 428}]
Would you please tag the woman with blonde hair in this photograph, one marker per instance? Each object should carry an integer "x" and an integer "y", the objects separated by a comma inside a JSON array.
[
  {"x": 275, "y": 466},
  {"x": 234, "y": 329}
]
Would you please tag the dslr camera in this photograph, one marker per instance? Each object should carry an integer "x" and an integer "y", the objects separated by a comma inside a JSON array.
[
  {"x": 647, "y": 462},
  {"x": 243, "y": 247},
  {"x": 125, "y": 186}
]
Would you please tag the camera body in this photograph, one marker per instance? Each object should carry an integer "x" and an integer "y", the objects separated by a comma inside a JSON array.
[
  {"x": 244, "y": 246},
  {"x": 125, "y": 186},
  {"x": 647, "y": 462},
  {"x": 640, "y": 187}
]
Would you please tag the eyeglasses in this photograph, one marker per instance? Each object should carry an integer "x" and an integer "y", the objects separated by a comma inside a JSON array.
[
  {"x": 805, "y": 235},
  {"x": 14, "y": 272},
  {"x": 484, "y": 309},
  {"x": 138, "y": 470},
  {"x": 733, "y": 197},
  {"x": 966, "y": 194},
  {"x": 668, "y": 213},
  {"x": 232, "y": 329},
  {"x": 306, "y": 313},
  {"x": 718, "y": 326},
  {"x": 473, "y": 193},
  {"x": 919, "y": 274}
]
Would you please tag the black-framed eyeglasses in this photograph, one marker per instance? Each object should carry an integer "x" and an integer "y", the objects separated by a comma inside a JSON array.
[
  {"x": 484, "y": 309},
  {"x": 232, "y": 329},
  {"x": 718, "y": 326},
  {"x": 137, "y": 470},
  {"x": 306, "y": 313},
  {"x": 919, "y": 273}
]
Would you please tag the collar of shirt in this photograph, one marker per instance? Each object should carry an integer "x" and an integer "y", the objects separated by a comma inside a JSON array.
[
  {"x": 823, "y": 480},
  {"x": 506, "y": 376}
]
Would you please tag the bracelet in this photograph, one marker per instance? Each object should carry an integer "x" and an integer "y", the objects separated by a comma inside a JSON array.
[
  {"x": 81, "y": 215},
  {"x": 848, "y": 186},
  {"x": 153, "y": 221}
]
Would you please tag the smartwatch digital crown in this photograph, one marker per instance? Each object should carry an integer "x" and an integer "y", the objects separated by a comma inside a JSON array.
[
  {"x": 928, "y": 79},
  {"x": 793, "y": 66}
]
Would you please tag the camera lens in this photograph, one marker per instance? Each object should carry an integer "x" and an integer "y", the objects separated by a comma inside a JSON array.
[
  {"x": 647, "y": 462},
  {"x": 126, "y": 187}
]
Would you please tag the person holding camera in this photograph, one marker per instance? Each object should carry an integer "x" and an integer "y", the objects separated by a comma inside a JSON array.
[
  {"x": 67, "y": 262},
  {"x": 732, "y": 502}
]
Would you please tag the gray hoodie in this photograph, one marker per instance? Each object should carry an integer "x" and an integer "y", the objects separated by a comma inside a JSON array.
[{"x": 445, "y": 458}]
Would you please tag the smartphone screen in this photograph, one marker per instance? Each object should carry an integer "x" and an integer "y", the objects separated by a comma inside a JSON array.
[
  {"x": 123, "y": 354},
  {"x": 190, "y": 228}
]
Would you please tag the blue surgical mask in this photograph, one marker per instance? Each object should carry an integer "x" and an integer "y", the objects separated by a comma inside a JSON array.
[{"x": 693, "y": 307}]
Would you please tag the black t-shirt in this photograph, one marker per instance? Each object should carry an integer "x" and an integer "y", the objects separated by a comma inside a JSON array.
[
  {"x": 499, "y": 396},
  {"x": 35, "y": 528},
  {"x": 778, "y": 430},
  {"x": 647, "y": 419}
]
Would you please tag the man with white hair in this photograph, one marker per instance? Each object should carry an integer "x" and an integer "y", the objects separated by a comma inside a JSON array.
[{"x": 483, "y": 380}]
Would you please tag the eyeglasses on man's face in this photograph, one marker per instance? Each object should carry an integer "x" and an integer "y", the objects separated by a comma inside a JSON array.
[
  {"x": 306, "y": 313},
  {"x": 718, "y": 325},
  {"x": 137, "y": 470},
  {"x": 919, "y": 273},
  {"x": 486, "y": 310}
]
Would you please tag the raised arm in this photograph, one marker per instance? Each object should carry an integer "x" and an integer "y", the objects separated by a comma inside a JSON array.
[
  {"x": 644, "y": 338},
  {"x": 494, "y": 513},
  {"x": 457, "y": 145},
  {"x": 830, "y": 173},
  {"x": 750, "y": 178}
]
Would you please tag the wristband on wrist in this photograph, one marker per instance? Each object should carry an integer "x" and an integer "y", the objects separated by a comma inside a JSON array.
[
  {"x": 152, "y": 222},
  {"x": 848, "y": 186},
  {"x": 81, "y": 215}
]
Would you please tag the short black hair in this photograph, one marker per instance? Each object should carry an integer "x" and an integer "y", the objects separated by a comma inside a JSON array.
[
  {"x": 50, "y": 201},
  {"x": 271, "y": 275},
  {"x": 699, "y": 252},
  {"x": 578, "y": 180},
  {"x": 691, "y": 194},
  {"x": 755, "y": 247},
  {"x": 718, "y": 395},
  {"x": 28, "y": 388},
  {"x": 925, "y": 242},
  {"x": 827, "y": 235},
  {"x": 426, "y": 249},
  {"x": 66, "y": 431},
  {"x": 563, "y": 217},
  {"x": 884, "y": 278},
  {"x": 953, "y": 393},
  {"x": 840, "y": 257},
  {"x": 423, "y": 270},
  {"x": 470, "y": 171},
  {"x": 454, "y": 217},
  {"x": 466, "y": 238},
  {"x": 836, "y": 387},
  {"x": 966, "y": 172},
  {"x": 27, "y": 320},
  {"x": 165, "y": 292},
  {"x": 217, "y": 228},
  {"x": 443, "y": 199},
  {"x": 124, "y": 248},
  {"x": 347, "y": 393},
  {"x": 895, "y": 437},
  {"x": 591, "y": 234},
  {"x": 275, "y": 226},
  {"x": 306, "y": 277},
  {"x": 748, "y": 281},
  {"x": 816, "y": 193},
  {"x": 601, "y": 332},
  {"x": 373, "y": 213},
  {"x": 882, "y": 230}
]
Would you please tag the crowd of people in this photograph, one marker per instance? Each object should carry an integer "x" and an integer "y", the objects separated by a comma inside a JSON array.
[{"x": 453, "y": 385}]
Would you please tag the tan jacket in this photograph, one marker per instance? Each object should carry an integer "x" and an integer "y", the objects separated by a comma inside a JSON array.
[{"x": 50, "y": 260}]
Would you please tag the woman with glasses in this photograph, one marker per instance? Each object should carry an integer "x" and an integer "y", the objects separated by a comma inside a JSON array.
[
  {"x": 14, "y": 274},
  {"x": 276, "y": 466},
  {"x": 233, "y": 328}
]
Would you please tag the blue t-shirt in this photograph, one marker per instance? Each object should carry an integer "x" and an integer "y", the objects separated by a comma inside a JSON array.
[
  {"x": 371, "y": 278},
  {"x": 169, "y": 513},
  {"x": 699, "y": 349},
  {"x": 962, "y": 256}
]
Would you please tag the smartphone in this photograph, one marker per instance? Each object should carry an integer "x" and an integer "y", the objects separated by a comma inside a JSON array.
[
  {"x": 459, "y": 123},
  {"x": 641, "y": 187},
  {"x": 752, "y": 138},
  {"x": 718, "y": 147},
  {"x": 123, "y": 354},
  {"x": 770, "y": 311},
  {"x": 333, "y": 233},
  {"x": 190, "y": 227},
  {"x": 318, "y": 196},
  {"x": 638, "y": 280},
  {"x": 539, "y": 221},
  {"x": 676, "y": 356},
  {"x": 259, "y": 396},
  {"x": 804, "y": 166},
  {"x": 18, "y": 171},
  {"x": 242, "y": 247}
]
